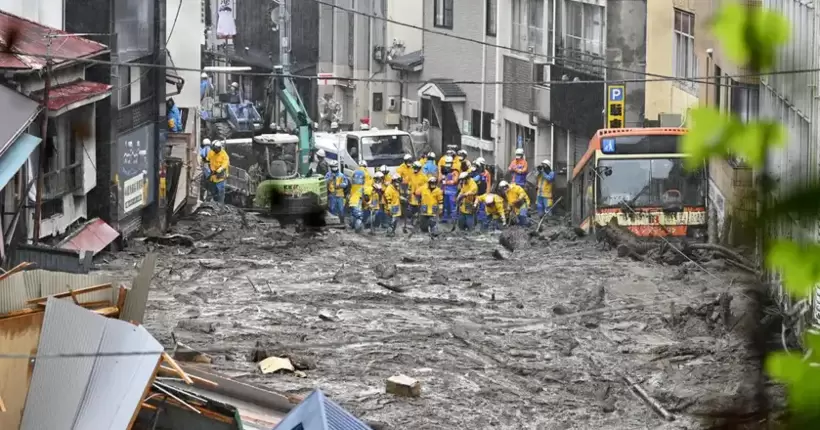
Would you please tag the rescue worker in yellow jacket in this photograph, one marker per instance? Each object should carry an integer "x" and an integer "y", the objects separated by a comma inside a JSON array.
[
  {"x": 517, "y": 200},
  {"x": 405, "y": 171},
  {"x": 467, "y": 191},
  {"x": 219, "y": 163},
  {"x": 359, "y": 202},
  {"x": 432, "y": 203},
  {"x": 377, "y": 213},
  {"x": 417, "y": 181},
  {"x": 494, "y": 205},
  {"x": 544, "y": 180},
  {"x": 455, "y": 163},
  {"x": 337, "y": 183},
  {"x": 392, "y": 203}
]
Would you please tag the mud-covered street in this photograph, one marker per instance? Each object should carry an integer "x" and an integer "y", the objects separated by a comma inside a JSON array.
[{"x": 541, "y": 340}]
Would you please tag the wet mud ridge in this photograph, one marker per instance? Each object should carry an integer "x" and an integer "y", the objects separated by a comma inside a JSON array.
[{"x": 560, "y": 333}]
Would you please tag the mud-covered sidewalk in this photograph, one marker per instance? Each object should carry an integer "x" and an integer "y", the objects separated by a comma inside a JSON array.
[{"x": 539, "y": 341}]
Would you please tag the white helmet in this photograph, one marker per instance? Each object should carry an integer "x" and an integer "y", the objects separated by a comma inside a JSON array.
[
  {"x": 519, "y": 152},
  {"x": 463, "y": 175},
  {"x": 206, "y": 142},
  {"x": 320, "y": 153},
  {"x": 462, "y": 152},
  {"x": 396, "y": 177},
  {"x": 334, "y": 124},
  {"x": 417, "y": 164},
  {"x": 432, "y": 180},
  {"x": 234, "y": 84},
  {"x": 408, "y": 157},
  {"x": 378, "y": 175},
  {"x": 203, "y": 75},
  {"x": 431, "y": 154},
  {"x": 546, "y": 163},
  {"x": 384, "y": 169},
  {"x": 333, "y": 163},
  {"x": 451, "y": 151},
  {"x": 363, "y": 163},
  {"x": 503, "y": 184},
  {"x": 489, "y": 199},
  {"x": 448, "y": 160},
  {"x": 218, "y": 144},
  {"x": 480, "y": 161}
]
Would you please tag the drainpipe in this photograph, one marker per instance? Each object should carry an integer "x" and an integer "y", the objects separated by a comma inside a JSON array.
[
  {"x": 483, "y": 78},
  {"x": 499, "y": 76}
]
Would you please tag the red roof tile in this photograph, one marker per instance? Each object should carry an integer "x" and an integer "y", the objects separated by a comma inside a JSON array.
[
  {"x": 29, "y": 38},
  {"x": 72, "y": 92},
  {"x": 93, "y": 236}
]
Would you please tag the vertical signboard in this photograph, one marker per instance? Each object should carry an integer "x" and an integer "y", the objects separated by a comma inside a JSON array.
[
  {"x": 615, "y": 112},
  {"x": 136, "y": 169}
]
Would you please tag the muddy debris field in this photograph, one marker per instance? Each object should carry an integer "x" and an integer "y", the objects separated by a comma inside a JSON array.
[{"x": 539, "y": 338}]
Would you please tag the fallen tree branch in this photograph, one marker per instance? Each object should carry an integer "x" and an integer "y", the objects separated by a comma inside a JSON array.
[{"x": 654, "y": 404}]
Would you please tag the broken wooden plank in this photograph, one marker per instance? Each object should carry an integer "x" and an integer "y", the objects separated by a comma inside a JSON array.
[
  {"x": 196, "y": 379},
  {"x": 107, "y": 312},
  {"x": 123, "y": 293},
  {"x": 178, "y": 370},
  {"x": 20, "y": 312},
  {"x": 144, "y": 395},
  {"x": 2, "y": 405},
  {"x": 15, "y": 269},
  {"x": 649, "y": 400},
  {"x": 148, "y": 406},
  {"x": 85, "y": 290}
]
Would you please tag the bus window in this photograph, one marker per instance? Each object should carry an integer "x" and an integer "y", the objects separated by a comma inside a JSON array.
[
  {"x": 649, "y": 182},
  {"x": 386, "y": 150}
]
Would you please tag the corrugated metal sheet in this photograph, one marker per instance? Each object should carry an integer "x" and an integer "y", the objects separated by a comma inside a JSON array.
[
  {"x": 47, "y": 258},
  {"x": 317, "y": 412},
  {"x": 15, "y": 156},
  {"x": 88, "y": 392},
  {"x": 94, "y": 236},
  {"x": 137, "y": 298},
  {"x": 16, "y": 289}
]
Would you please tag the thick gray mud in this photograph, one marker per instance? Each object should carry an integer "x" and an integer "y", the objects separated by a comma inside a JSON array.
[{"x": 495, "y": 343}]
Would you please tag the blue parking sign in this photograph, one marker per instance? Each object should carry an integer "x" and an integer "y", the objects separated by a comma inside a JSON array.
[
  {"x": 616, "y": 94},
  {"x": 608, "y": 145}
]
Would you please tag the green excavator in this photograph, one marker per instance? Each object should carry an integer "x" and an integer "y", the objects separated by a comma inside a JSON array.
[{"x": 279, "y": 177}]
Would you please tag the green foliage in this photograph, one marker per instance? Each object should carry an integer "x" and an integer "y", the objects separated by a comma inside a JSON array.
[{"x": 751, "y": 36}]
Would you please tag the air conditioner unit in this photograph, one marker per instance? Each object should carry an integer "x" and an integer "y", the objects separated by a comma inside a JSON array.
[{"x": 409, "y": 108}]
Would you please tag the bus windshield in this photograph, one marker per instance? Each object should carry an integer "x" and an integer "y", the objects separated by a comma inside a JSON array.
[
  {"x": 386, "y": 150},
  {"x": 649, "y": 182}
]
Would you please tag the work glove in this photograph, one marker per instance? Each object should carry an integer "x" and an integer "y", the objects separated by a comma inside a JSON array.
[{"x": 519, "y": 203}]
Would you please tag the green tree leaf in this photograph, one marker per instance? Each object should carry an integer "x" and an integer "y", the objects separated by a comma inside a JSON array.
[
  {"x": 750, "y": 35},
  {"x": 801, "y": 379},
  {"x": 801, "y": 204},
  {"x": 799, "y": 265},
  {"x": 752, "y": 140},
  {"x": 705, "y": 137}
]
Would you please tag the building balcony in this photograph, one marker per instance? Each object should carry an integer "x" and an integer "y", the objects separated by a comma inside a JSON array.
[
  {"x": 64, "y": 181},
  {"x": 580, "y": 55}
]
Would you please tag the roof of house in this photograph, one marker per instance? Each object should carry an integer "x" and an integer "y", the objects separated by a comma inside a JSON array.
[
  {"x": 63, "y": 95},
  {"x": 25, "y": 44},
  {"x": 448, "y": 88},
  {"x": 317, "y": 412}
]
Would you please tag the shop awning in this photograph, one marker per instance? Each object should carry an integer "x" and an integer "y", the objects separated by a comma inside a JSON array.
[
  {"x": 72, "y": 95},
  {"x": 15, "y": 156}
]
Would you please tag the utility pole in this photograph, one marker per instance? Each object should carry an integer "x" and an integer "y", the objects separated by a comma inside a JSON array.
[
  {"x": 284, "y": 36},
  {"x": 38, "y": 205}
]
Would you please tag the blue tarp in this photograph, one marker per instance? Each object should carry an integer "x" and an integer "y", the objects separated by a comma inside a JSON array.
[
  {"x": 15, "y": 156},
  {"x": 317, "y": 412}
]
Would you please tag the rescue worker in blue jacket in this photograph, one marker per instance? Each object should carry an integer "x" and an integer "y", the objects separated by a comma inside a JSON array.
[
  {"x": 544, "y": 181},
  {"x": 337, "y": 183},
  {"x": 430, "y": 167},
  {"x": 482, "y": 178},
  {"x": 449, "y": 182}
]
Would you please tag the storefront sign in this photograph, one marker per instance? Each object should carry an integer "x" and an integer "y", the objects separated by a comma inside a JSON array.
[
  {"x": 136, "y": 168},
  {"x": 133, "y": 193}
]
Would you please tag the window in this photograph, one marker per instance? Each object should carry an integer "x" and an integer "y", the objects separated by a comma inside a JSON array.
[
  {"x": 444, "y": 14},
  {"x": 541, "y": 75},
  {"x": 492, "y": 27},
  {"x": 479, "y": 129},
  {"x": 685, "y": 61},
  {"x": 528, "y": 26},
  {"x": 744, "y": 100},
  {"x": 378, "y": 102},
  {"x": 650, "y": 182},
  {"x": 125, "y": 86},
  {"x": 584, "y": 24}
]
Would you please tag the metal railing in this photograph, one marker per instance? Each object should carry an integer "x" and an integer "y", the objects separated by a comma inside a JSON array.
[{"x": 63, "y": 181}]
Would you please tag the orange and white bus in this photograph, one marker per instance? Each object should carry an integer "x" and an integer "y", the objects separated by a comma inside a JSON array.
[{"x": 638, "y": 176}]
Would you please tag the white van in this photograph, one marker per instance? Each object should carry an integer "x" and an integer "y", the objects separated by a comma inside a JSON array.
[{"x": 376, "y": 147}]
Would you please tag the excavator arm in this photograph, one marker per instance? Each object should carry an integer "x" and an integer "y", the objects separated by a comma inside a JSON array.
[{"x": 297, "y": 111}]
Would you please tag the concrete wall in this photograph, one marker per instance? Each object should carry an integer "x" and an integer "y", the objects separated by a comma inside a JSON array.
[
  {"x": 183, "y": 46},
  {"x": 446, "y": 57},
  {"x": 666, "y": 96},
  {"x": 626, "y": 49},
  {"x": 46, "y": 12}
]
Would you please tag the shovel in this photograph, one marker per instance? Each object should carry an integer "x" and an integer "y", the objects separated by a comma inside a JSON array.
[{"x": 547, "y": 212}]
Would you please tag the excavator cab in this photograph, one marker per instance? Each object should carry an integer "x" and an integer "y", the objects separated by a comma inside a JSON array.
[{"x": 277, "y": 155}]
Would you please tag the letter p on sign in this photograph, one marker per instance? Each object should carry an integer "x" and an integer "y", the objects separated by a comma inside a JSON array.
[{"x": 616, "y": 94}]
